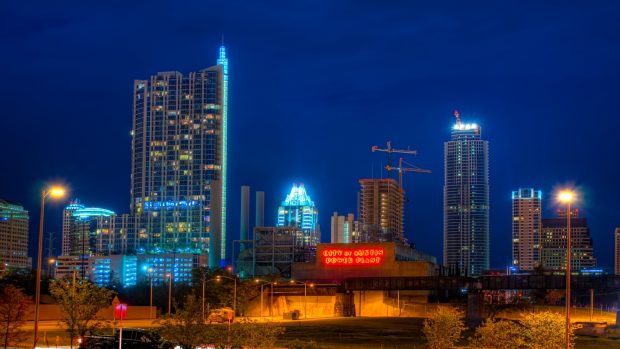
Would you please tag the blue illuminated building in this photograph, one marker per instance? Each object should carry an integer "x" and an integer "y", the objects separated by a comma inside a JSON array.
[
  {"x": 299, "y": 211},
  {"x": 92, "y": 231},
  {"x": 466, "y": 200},
  {"x": 179, "y": 162},
  {"x": 113, "y": 270}
]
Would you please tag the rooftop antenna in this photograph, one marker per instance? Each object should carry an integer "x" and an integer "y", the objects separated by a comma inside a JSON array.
[{"x": 458, "y": 117}]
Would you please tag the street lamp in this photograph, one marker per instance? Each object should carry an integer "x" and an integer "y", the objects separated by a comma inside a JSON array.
[
  {"x": 218, "y": 278},
  {"x": 567, "y": 197},
  {"x": 305, "y": 295},
  {"x": 169, "y": 276},
  {"x": 54, "y": 192},
  {"x": 263, "y": 283}
]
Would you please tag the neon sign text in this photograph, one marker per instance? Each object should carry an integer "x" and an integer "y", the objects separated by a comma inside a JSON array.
[{"x": 353, "y": 256}]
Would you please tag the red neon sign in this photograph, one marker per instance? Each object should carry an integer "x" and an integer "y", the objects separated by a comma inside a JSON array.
[{"x": 353, "y": 256}]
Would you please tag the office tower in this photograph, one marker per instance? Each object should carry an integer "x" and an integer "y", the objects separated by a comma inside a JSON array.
[
  {"x": 526, "y": 224},
  {"x": 344, "y": 229},
  {"x": 553, "y": 244},
  {"x": 179, "y": 162},
  {"x": 13, "y": 236},
  {"x": 617, "y": 251},
  {"x": 245, "y": 213},
  {"x": 381, "y": 204},
  {"x": 259, "y": 219},
  {"x": 92, "y": 232},
  {"x": 466, "y": 200},
  {"x": 67, "y": 219},
  {"x": 299, "y": 211}
]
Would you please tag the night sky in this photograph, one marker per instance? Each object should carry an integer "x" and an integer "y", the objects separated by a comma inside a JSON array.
[{"x": 313, "y": 85}]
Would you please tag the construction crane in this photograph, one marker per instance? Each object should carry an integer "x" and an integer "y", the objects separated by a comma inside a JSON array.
[
  {"x": 402, "y": 169},
  {"x": 389, "y": 150}
]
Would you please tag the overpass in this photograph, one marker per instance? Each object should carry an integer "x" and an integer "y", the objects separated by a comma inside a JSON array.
[{"x": 502, "y": 282}]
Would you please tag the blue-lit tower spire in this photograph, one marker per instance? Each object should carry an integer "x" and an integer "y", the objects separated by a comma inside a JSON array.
[
  {"x": 299, "y": 211},
  {"x": 223, "y": 61}
]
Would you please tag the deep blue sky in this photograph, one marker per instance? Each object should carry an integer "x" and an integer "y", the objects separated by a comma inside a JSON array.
[{"x": 313, "y": 86}]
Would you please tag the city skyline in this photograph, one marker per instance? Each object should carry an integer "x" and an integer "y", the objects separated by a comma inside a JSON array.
[{"x": 507, "y": 107}]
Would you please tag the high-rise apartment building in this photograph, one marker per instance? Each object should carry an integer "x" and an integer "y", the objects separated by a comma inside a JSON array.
[
  {"x": 526, "y": 225},
  {"x": 553, "y": 244},
  {"x": 617, "y": 251},
  {"x": 67, "y": 220},
  {"x": 179, "y": 162},
  {"x": 381, "y": 205},
  {"x": 299, "y": 211},
  {"x": 466, "y": 200},
  {"x": 13, "y": 236}
]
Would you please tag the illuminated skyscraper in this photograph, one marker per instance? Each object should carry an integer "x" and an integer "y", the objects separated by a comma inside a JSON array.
[
  {"x": 13, "y": 236},
  {"x": 553, "y": 243},
  {"x": 466, "y": 200},
  {"x": 178, "y": 181},
  {"x": 92, "y": 232},
  {"x": 67, "y": 219},
  {"x": 299, "y": 211},
  {"x": 381, "y": 210},
  {"x": 526, "y": 225}
]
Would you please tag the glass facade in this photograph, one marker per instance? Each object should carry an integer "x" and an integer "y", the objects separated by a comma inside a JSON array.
[
  {"x": 466, "y": 200},
  {"x": 299, "y": 211},
  {"x": 178, "y": 191}
]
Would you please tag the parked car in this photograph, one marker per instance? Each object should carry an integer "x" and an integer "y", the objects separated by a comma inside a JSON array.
[
  {"x": 134, "y": 338},
  {"x": 221, "y": 315}
]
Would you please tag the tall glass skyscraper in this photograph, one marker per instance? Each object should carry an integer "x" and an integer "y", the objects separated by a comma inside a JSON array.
[
  {"x": 466, "y": 200},
  {"x": 299, "y": 211},
  {"x": 178, "y": 181}
]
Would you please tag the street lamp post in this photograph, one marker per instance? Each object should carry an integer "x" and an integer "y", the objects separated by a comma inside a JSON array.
[
  {"x": 567, "y": 197},
  {"x": 54, "y": 192},
  {"x": 305, "y": 296},
  {"x": 262, "y": 284}
]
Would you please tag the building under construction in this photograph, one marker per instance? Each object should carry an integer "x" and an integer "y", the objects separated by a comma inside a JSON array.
[{"x": 381, "y": 205}]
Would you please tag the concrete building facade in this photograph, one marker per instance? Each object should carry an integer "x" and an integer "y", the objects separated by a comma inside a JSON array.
[
  {"x": 617, "y": 251},
  {"x": 526, "y": 228},
  {"x": 381, "y": 206},
  {"x": 14, "y": 221}
]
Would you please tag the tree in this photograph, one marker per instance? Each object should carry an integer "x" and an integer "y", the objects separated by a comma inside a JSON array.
[
  {"x": 443, "y": 328},
  {"x": 499, "y": 334},
  {"x": 80, "y": 301},
  {"x": 14, "y": 307},
  {"x": 185, "y": 327},
  {"x": 546, "y": 330},
  {"x": 257, "y": 336}
]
